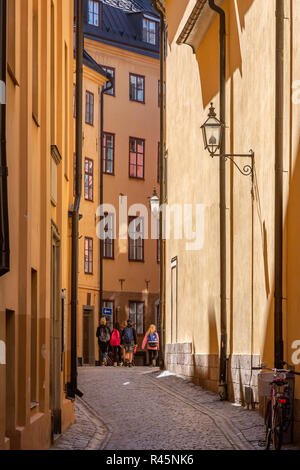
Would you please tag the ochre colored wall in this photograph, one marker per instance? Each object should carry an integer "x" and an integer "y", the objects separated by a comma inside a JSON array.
[
  {"x": 192, "y": 83},
  {"x": 30, "y": 213}
]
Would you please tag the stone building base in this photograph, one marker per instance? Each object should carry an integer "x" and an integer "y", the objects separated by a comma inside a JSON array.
[{"x": 203, "y": 370}]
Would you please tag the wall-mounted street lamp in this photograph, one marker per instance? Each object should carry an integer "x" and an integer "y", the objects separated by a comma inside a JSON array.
[
  {"x": 213, "y": 132},
  {"x": 154, "y": 203}
]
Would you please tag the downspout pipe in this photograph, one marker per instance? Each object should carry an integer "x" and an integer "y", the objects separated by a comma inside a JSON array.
[
  {"x": 72, "y": 389},
  {"x": 103, "y": 90},
  {"x": 278, "y": 336},
  {"x": 4, "y": 227},
  {"x": 222, "y": 183},
  {"x": 161, "y": 322}
]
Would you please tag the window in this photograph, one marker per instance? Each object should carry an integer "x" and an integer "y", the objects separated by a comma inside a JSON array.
[
  {"x": 109, "y": 318},
  {"x": 136, "y": 315},
  {"x": 136, "y": 158},
  {"x": 89, "y": 108},
  {"x": 67, "y": 98},
  {"x": 108, "y": 153},
  {"x": 94, "y": 12},
  {"x": 108, "y": 249},
  {"x": 74, "y": 100},
  {"x": 150, "y": 31},
  {"x": 35, "y": 61},
  {"x": 137, "y": 88},
  {"x": 11, "y": 39},
  {"x": 89, "y": 179},
  {"x": 136, "y": 239},
  {"x": 88, "y": 255},
  {"x": 111, "y": 72},
  {"x": 34, "y": 346}
]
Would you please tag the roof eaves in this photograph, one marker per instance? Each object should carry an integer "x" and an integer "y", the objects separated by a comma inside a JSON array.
[
  {"x": 90, "y": 62},
  {"x": 160, "y": 5},
  {"x": 198, "y": 24}
]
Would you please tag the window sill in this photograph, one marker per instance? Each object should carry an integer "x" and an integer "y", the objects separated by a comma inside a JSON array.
[
  {"x": 137, "y": 101},
  {"x": 136, "y": 178}
]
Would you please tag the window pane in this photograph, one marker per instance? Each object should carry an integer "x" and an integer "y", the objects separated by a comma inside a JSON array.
[
  {"x": 140, "y": 95},
  {"x": 140, "y": 172},
  {"x": 109, "y": 167},
  {"x": 140, "y": 159},
  {"x": 132, "y": 170},
  {"x": 132, "y": 145}
]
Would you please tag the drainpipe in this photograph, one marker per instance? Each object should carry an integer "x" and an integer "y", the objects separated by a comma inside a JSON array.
[
  {"x": 223, "y": 352},
  {"x": 72, "y": 389},
  {"x": 161, "y": 323},
  {"x": 103, "y": 90},
  {"x": 278, "y": 339},
  {"x": 4, "y": 228}
]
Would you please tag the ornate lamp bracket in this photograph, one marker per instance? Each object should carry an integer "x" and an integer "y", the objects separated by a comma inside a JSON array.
[{"x": 246, "y": 170}]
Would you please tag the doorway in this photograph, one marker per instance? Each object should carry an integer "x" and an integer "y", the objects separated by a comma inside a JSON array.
[
  {"x": 55, "y": 334},
  {"x": 88, "y": 340}
]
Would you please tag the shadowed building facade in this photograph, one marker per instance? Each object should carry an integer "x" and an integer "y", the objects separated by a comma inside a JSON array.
[{"x": 225, "y": 296}]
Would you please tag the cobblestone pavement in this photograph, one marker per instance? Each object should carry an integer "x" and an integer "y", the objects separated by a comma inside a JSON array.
[
  {"x": 135, "y": 409},
  {"x": 88, "y": 432}
]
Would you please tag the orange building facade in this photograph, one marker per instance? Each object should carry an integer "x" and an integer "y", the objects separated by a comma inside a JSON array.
[{"x": 130, "y": 152}]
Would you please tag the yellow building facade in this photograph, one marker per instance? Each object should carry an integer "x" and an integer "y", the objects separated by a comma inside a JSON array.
[
  {"x": 253, "y": 117},
  {"x": 35, "y": 294},
  {"x": 130, "y": 287}
]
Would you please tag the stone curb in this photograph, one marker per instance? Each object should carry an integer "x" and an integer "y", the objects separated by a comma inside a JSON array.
[{"x": 98, "y": 442}]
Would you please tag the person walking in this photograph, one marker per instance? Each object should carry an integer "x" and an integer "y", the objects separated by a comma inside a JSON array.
[
  {"x": 115, "y": 342},
  {"x": 103, "y": 334},
  {"x": 129, "y": 341},
  {"x": 151, "y": 339}
]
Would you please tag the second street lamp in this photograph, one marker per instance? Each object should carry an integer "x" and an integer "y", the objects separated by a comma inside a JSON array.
[
  {"x": 154, "y": 202},
  {"x": 213, "y": 131}
]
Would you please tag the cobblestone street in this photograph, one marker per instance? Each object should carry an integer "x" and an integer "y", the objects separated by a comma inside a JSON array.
[{"x": 136, "y": 409}]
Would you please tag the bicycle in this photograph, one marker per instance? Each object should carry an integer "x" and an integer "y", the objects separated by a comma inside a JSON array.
[{"x": 279, "y": 410}]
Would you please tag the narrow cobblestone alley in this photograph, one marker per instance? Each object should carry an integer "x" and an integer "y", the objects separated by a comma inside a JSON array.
[{"x": 140, "y": 408}]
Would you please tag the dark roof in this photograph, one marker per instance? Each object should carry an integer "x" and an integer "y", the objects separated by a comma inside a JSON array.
[
  {"x": 130, "y": 5},
  {"x": 91, "y": 63},
  {"x": 122, "y": 27}
]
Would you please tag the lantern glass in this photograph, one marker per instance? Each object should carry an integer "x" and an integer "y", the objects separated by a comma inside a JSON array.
[
  {"x": 212, "y": 132},
  {"x": 154, "y": 202}
]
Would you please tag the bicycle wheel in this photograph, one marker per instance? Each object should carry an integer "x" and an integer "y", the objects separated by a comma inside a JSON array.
[
  {"x": 268, "y": 423},
  {"x": 277, "y": 428}
]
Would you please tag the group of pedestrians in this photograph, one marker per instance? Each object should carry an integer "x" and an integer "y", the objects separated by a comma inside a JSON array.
[{"x": 123, "y": 343}]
